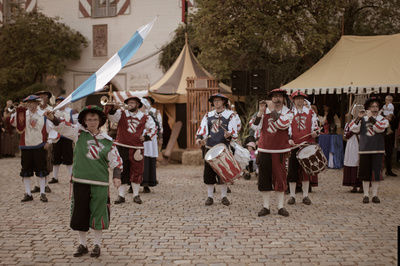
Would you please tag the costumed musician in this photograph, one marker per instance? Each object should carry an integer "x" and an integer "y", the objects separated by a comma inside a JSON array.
[
  {"x": 371, "y": 127},
  {"x": 273, "y": 124},
  {"x": 63, "y": 148},
  {"x": 303, "y": 128},
  {"x": 134, "y": 128},
  {"x": 94, "y": 153},
  {"x": 217, "y": 126},
  {"x": 34, "y": 131}
]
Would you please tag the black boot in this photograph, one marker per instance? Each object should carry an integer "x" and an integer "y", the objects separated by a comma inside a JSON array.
[
  {"x": 146, "y": 190},
  {"x": 35, "y": 189},
  {"x": 119, "y": 200},
  {"x": 263, "y": 212},
  {"x": 137, "y": 199},
  {"x": 53, "y": 181}
]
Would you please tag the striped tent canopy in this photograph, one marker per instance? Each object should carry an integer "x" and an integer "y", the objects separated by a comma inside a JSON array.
[
  {"x": 171, "y": 88},
  {"x": 121, "y": 96},
  {"x": 356, "y": 64}
]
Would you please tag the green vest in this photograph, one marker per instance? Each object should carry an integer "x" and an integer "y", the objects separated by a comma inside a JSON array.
[{"x": 90, "y": 160}]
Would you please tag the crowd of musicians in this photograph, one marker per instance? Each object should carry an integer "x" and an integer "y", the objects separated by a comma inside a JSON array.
[{"x": 281, "y": 126}]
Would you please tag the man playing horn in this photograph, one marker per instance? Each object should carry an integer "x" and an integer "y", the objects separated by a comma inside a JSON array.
[{"x": 273, "y": 123}]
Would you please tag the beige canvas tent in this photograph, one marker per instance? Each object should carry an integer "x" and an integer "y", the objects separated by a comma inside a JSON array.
[
  {"x": 356, "y": 64},
  {"x": 171, "y": 88}
]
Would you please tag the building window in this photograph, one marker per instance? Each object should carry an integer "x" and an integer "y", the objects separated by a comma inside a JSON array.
[
  {"x": 104, "y": 8},
  {"x": 99, "y": 40}
]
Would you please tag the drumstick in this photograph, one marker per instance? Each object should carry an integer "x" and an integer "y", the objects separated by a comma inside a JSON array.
[
  {"x": 309, "y": 134},
  {"x": 298, "y": 145}
]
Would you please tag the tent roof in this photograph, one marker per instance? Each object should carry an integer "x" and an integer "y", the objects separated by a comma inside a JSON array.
[
  {"x": 172, "y": 86},
  {"x": 356, "y": 64}
]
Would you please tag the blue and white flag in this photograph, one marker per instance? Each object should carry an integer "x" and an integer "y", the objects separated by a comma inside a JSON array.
[{"x": 98, "y": 80}]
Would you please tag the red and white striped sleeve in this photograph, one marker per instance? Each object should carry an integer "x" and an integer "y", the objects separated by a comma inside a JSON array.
[
  {"x": 151, "y": 129},
  {"x": 380, "y": 125},
  {"x": 114, "y": 159},
  {"x": 202, "y": 131},
  {"x": 353, "y": 127},
  {"x": 283, "y": 121},
  {"x": 234, "y": 126},
  {"x": 314, "y": 122}
]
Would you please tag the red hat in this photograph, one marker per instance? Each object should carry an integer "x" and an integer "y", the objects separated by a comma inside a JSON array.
[
  {"x": 297, "y": 94},
  {"x": 278, "y": 90}
]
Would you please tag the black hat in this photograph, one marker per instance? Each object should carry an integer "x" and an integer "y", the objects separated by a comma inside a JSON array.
[
  {"x": 218, "y": 95},
  {"x": 278, "y": 90},
  {"x": 92, "y": 109},
  {"x": 370, "y": 100},
  {"x": 134, "y": 98},
  {"x": 151, "y": 99},
  {"x": 44, "y": 92}
]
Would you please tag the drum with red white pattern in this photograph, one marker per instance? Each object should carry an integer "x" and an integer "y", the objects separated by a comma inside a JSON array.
[
  {"x": 223, "y": 163},
  {"x": 312, "y": 159}
]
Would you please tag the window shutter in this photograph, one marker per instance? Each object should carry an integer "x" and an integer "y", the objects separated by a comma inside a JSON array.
[
  {"x": 85, "y": 8},
  {"x": 123, "y": 7}
]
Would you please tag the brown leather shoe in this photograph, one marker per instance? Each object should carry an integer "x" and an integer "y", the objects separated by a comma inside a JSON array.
[
  {"x": 375, "y": 199},
  {"x": 209, "y": 201},
  {"x": 82, "y": 250},
  {"x": 27, "y": 198},
  {"x": 95, "y": 252},
  {"x": 137, "y": 199},
  {"x": 43, "y": 198},
  {"x": 35, "y": 189},
  {"x": 225, "y": 201},
  {"x": 119, "y": 200},
  {"x": 263, "y": 212},
  {"x": 365, "y": 199},
  {"x": 306, "y": 201},
  {"x": 291, "y": 201},
  {"x": 283, "y": 212}
]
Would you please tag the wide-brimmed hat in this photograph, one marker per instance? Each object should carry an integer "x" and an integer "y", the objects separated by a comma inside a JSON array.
[
  {"x": 60, "y": 98},
  {"x": 92, "y": 109},
  {"x": 370, "y": 100},
  {"x": 298, "y": 94},
  {"x": 218, "y": 95},
  {"x": 134, "y": 98},
  {"x": 44, "y": 92},
  {"x": 31, "y": 98},
  {"x": 151, "y": 99},
  {"x": 278, "y": 90}
]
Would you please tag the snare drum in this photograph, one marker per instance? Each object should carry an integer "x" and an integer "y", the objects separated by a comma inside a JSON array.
[
  {"x": 312, "y": 159},
  {"x": 223, "y": 163}
]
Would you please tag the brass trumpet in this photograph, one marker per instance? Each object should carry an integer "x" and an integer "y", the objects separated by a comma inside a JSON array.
[{"x": 104, "y": 100}]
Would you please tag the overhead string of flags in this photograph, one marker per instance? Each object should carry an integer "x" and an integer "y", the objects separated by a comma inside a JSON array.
[{"x": 98, "y": 80}]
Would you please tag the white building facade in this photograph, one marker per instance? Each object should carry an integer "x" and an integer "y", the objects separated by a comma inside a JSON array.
[{"x": 108, "y": 25}]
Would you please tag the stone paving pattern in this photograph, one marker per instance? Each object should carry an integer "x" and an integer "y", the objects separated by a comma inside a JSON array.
[{"x": 173, "y": 226}]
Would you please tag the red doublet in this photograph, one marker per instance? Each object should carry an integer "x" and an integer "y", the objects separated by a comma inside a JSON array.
[
  {"x": 130, "y": 129},
  {"x": 301, "y": 126},
  {"x": 274, "y": 135}
]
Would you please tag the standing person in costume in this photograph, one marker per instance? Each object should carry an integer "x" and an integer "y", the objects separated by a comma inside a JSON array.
[
  {"x": 217, "y": 126},
  {"x": 351, "y": 160},
  {"x": 151, "y": 146},
  {"x": 273, "y": 124},
  {"x": 34, "y": 129},
  {"x": 43, "y": 107},
  {"x": 371, "y": 127},
  {"x": 94, "y": 153},
  {"x": 9, "y": 137},
  {"x": 303, "y": 128},
  {"x": 134, "y": 128},
  {"x": 63, "y": 148}
]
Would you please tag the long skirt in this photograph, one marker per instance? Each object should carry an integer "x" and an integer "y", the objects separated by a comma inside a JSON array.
[{"x": 350, "y": 176}]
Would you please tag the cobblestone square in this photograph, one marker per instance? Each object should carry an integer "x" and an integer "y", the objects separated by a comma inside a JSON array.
[{"x": 173, "y": 226}]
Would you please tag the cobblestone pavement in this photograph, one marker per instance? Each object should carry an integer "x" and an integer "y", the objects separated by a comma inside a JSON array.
[{"x": 173, "y": 226}]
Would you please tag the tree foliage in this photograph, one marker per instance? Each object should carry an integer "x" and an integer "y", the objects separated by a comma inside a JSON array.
[
  {"x": 285, "y": 37},
  {"x": 33, "y": 47}
]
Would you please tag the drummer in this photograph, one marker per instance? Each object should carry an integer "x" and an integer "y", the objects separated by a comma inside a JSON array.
[
  {"x": 303, "y": 129},
  {"x": 273, "y": 123},
  {"x": 218, "y": 126}
]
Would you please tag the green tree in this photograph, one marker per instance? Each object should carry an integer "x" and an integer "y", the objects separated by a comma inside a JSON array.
[{"x": 33, "y": 47}]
